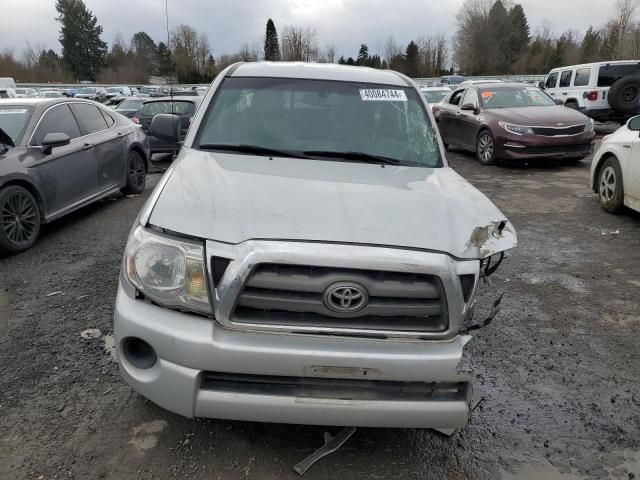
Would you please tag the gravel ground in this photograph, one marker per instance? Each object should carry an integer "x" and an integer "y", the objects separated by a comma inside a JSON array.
[{"x": 557, "y": 370}]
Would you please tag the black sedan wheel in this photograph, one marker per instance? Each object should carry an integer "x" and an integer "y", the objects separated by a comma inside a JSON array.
[
  {"x": 136, "y": 174},
  {"x": 486, "y": 148},
  {"x": 19, "y": 220}
]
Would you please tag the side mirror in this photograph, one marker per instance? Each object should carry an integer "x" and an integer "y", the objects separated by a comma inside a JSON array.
[
  {"x": 541, "y": 85},
  {"x": 468, "y": 107},
  {"x": 634, "y": 124},
  {"x": 52, "y": 140},
  {"x": 166, "y": 127}
]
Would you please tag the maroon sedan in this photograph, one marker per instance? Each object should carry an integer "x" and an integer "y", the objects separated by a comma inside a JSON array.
[{"x": 512, "y": 120}]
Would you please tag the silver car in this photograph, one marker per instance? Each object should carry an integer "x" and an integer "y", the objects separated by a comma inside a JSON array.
[{"x": 308, "y": 258}]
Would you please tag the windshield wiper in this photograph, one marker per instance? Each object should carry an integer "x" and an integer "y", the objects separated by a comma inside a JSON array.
[
  {"x": 355, "y": 156},
  {"x": 251, "y": 150}
]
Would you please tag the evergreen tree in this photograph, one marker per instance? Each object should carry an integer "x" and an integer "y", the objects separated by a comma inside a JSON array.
[
  {"x": 350, "y": 61},
  {"x": 271, "y": 43},
  {"x": 83, "y": 50},
  {"x": 165, "y": 64},
  {"x": 519, "y": 35},
  {"x": 363, "y": 55},
  {"x": 412, "y": 59},
  {"x": 145, "y": 51},
  {"x": 590, "y": 47},
  {"x": 498, "y": 56},
  {"x": 610, "y": 42},
  {"x": 342, "y": 61}
]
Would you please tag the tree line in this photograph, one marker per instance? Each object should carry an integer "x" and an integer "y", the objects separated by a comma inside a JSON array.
[{"x": 493, "y": 37}]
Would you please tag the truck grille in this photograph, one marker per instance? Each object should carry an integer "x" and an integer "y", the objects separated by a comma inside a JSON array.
[
  {"x": 556, "y": 132},
  {"x": 297, "y": 296}
]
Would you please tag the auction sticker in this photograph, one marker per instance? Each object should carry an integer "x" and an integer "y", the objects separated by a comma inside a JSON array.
[
  {"x": 12, "y": 111},
  {"x": 382, "y": 95}
]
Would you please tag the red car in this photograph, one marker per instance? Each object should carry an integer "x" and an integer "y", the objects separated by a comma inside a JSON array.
[{"x": 511, "y": 121}]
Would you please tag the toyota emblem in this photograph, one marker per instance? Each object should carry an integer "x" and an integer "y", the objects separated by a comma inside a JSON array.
[{"x": 346, "y": 297}]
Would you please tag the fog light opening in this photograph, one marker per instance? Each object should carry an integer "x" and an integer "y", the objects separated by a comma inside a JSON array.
[{"x": 139, "y": 353}]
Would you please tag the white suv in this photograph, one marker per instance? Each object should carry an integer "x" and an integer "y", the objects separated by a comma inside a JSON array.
[{"x": 604, "y": 90}]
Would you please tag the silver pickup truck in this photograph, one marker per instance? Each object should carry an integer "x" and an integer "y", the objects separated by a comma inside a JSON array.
[{"x": 308, "y": 258}]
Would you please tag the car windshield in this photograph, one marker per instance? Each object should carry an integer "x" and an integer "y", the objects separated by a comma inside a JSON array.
[
  {"x": 175, "y": 107},
  {"x": 87, "y": 90},
  {"x": 515, "y": 97},
  {"x": 147, "y": 89},
  {"x": 434, "y": 96},
  {"x": 130, "y": 104},
  {"x": 113, "y": 89},
  {"x": 321, "y": 117},
  {"x": 13, "y": 121}
]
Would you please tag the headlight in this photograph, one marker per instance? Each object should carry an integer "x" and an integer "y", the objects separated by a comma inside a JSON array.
[
  {"x": 517, "y": 129},
  {"x": 169, "y": 271},
  {"x": 590, "y": 126}
]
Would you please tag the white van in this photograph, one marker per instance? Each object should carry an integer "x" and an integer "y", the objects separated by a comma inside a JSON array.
[
  {"x": 603, "y": 90},
  {"x": 7, "y": 82}
]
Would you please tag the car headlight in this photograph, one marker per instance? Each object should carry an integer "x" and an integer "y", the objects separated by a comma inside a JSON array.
[
  {"x": 590, "y": 126},
  {"x": 169, "y": 271},
  {"x": 517, "y": 129}
]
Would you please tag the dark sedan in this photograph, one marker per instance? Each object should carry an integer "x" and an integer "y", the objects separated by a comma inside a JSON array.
[
  {"x": 183, "y": 107},
  {"x": 502, "y": 121},
  {"x": 57, "y": 155},
  {"x": 129, "y": 106}
]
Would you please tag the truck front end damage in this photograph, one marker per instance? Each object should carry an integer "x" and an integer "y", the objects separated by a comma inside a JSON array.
[{"x": 314, "y": 333}]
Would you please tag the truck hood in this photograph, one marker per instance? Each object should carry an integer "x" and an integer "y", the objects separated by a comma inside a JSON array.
[{"x": 232, "y": 198}]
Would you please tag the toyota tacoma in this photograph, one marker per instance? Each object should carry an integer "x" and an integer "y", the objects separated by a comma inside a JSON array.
[{"x": 309, "y": 257}]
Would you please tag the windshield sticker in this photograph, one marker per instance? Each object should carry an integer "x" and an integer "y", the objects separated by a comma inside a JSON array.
[
  {"x": 382, "y": 95},
  {"x": 486, "y": 96},
  {"x": 13, "y": 111}
]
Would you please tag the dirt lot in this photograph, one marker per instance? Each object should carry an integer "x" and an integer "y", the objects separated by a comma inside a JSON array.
[{"x": 558, "y": 370}]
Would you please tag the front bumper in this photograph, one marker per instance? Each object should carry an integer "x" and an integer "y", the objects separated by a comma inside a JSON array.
[
  {"x": 188, "y": 346},
  {"x": 512, "y": 146}
]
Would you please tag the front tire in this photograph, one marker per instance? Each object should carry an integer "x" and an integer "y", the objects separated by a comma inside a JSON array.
[
  {"x": 486, "y": 148},
  {"x": 610, "y": 187},
  {"x": 19, "y": 220},
  {"x": 136, "y": 174}
]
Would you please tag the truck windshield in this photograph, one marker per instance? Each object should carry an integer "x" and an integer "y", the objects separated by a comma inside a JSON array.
[
  {"x": 13, "y": 121},
  {"x": 320, "y": 119}
]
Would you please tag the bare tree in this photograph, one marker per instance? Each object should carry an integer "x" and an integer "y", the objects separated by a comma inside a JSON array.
[
  {"x": 203, "y": 51},
  {"x": 299, "y": 44},
  {"x": 623, "y": 22},
  {"x": 330, "y": 53},
  {"x": 391, "y": 49},
  {"x": 184, "y": 46}
]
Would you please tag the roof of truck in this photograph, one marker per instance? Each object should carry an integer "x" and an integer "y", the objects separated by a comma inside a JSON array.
[{"x": 320, "y": 71}]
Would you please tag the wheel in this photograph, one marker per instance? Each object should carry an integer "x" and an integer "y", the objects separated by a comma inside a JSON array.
[
  {"x": 136, "y": 174},
  {"x": 20, "y": 219},
  {"x": 624, "y": 96},
  {"x": 610, "y": 190},
  {"x": 572, "y": 105},
  {"x": 485, "y": 148}
]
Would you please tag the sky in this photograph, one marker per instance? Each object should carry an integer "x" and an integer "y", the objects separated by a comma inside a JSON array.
[{"x": 230, "y": 23}]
